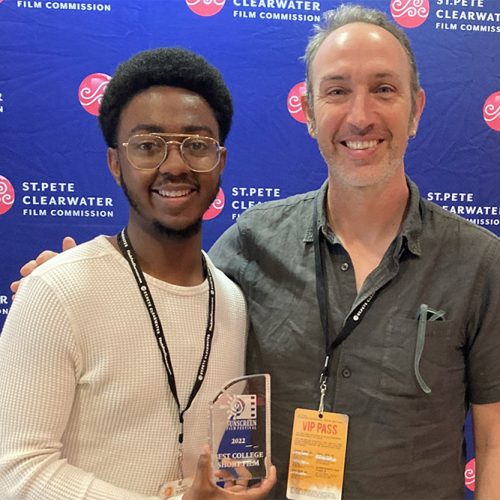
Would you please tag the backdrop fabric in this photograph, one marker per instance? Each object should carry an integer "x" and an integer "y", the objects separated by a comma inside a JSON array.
[{"x": 57, "y": 58}]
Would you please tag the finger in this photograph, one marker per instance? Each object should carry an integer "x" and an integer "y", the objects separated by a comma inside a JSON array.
[
  {"x": 45, "y": 256},
  {"x": 264, "y": 488},
  {"x": 201, "y": 487},
  {"x": 68, "y": 242},
  {"x": 14, "y": 286},
  {"x": 235, "y": 488},
  {"x": 244, "y": 475},
  {"x": 202, "y": 478},
  {"x": 224, "y": 475},
  {"x": 28, "y": 268}
]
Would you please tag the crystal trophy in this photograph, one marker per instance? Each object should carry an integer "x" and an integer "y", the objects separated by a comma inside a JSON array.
[{"x": 240, "y": 425}]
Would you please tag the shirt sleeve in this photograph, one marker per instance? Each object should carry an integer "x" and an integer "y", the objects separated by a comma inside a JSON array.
[
  {"x": 227, "y": 253},
  {"x": 483, "y": 358},
  {"x": 39, "y": 368}
]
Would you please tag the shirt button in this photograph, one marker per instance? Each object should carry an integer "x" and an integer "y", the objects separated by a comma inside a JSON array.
[
  {"x": 346, "y": 373},
  {"x": 344, "y": 266}
]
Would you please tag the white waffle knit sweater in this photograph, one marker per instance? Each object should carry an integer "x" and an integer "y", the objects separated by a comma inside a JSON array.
[{"x": 85, "y": 407}]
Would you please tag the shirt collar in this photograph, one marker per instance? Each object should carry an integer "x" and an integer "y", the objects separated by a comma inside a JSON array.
[
  {"x": 411, "y": 229},
  {"x": 322, "y": 224}
]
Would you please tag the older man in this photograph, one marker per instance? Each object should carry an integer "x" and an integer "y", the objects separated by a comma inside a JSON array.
[{"x": 405, "y": 337}]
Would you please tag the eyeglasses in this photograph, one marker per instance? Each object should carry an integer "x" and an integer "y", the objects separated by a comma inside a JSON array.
[{"x": 149, "y": 151}]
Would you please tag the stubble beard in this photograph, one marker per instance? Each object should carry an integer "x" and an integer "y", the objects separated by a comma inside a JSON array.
[
  {"x": 162, "y": 229},
  {"x": 344, "y": 172}
]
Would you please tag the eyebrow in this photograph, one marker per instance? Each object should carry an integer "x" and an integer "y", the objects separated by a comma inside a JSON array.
[
  {"x": 342, "y": 78},
  {"x": 336, "y": 78},
  {"x": 189, "y": 129}
]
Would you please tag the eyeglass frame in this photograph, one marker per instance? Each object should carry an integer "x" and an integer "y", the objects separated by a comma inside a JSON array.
[{"x": 161, "y": 135}]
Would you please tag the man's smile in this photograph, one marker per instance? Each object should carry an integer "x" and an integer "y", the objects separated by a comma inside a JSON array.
[
  {"x": 361, "y": 144},
  {"x": 173, "y": 193}
]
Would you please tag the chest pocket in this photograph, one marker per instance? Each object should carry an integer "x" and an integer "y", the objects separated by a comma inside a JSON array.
[{"x": 421, "y": 362}]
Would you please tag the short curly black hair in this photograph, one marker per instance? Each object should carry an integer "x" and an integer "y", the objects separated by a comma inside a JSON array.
[{"x": 170, "y": 66}]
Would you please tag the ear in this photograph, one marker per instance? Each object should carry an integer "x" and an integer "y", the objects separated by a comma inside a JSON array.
[
  {"x": 311, "y": 126},
  {"x": 114, "y": 165},
  {"x": 222, "y": 161},
  {"x": 419, "y": 108}
]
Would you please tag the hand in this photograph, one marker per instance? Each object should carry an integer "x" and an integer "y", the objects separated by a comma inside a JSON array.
[
  {"x": 46, "y": 255},
  {"x": 204, "y": 488}
]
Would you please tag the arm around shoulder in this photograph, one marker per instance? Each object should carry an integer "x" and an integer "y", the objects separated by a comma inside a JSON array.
[{"x": 30, "y": 266}]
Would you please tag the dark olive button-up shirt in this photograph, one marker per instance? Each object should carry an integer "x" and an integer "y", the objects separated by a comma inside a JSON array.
[{"x": 404, "y": 441}]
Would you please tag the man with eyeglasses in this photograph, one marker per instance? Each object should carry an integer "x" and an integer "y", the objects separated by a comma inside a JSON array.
[{"x": 112, "y": 352}]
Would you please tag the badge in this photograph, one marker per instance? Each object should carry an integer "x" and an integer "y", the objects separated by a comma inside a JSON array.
[
  {"x": 317, "y": 456},
  {"x": 174, "y": 488}
]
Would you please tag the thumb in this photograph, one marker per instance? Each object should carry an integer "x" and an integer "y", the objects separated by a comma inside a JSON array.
[
  {"x": 68, "y": 243},
  {"x": 202, "y": 486},
  {"x": 203, "y": 474}
]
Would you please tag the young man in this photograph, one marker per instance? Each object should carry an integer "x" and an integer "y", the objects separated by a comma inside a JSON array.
[
  {"x": 419, "y": 286},
  {"x": 113, "y": 350}
]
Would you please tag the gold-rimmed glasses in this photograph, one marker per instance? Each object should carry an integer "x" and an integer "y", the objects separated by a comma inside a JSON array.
[{"x": 149, "y": 151}]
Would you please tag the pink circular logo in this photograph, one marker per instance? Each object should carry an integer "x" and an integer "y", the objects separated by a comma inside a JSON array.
[
  {"x": 294, "y": 104},
  {"x": 491, "y": 111},
  {"x": 470, "y": 474},
  {"x": 91, "y": 91},
  {"x": 7, "y": 195},
  {"x": 206, "y": 8},
  {"x": 216, "y": 207},
  {"x": 410, "y": 13}
]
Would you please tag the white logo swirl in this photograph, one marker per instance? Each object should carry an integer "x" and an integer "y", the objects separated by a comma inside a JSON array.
[
  {"x": 470, "y": 474},
  {"x": 219, "y": 3},
  {"x": 6, "y": 198},
  {"x": 412, "y": 8},
  {"x": 491, "y": 113},
  {"x": 294, "y": 104},
  {"x": 87, "y": 97},
  {"x": 218, "y": 203}
]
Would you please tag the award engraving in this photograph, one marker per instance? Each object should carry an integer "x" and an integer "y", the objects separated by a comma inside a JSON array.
[{"x": 240, "y": 424}]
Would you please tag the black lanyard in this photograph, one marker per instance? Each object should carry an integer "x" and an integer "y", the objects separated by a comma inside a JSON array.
[
  {"x": 129, "y": 254},
  {"x": 322, "y": 295}
]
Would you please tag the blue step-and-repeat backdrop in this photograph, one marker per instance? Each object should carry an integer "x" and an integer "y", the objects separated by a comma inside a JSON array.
[{"x": 57, "y": 57}]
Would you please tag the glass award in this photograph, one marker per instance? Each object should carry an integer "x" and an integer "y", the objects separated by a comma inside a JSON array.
[{"x": 240, "y": 425}]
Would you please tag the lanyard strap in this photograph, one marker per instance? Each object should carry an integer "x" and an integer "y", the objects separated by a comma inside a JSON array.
[
  {"x": 322, "y": 295},
  {"x": 130, "y": 255}
]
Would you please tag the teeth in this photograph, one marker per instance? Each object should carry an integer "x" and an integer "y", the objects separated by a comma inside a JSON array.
[
  {"x": 361, "y": 144},
  {"x": 173, "y": 194}
]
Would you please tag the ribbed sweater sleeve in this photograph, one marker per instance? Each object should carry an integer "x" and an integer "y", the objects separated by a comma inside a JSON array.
[{"x": 39, "y": 366}]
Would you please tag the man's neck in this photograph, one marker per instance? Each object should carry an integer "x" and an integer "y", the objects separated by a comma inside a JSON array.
[
  {"x": 370, "y": 214},
  {"x": 177, "y": 261},
  {"x": 366, "y": 221}
]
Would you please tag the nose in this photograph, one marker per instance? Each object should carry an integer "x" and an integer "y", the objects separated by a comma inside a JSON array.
[
  {"x": 360, "y": 113},
  {"x": 173, "y": 163}
]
